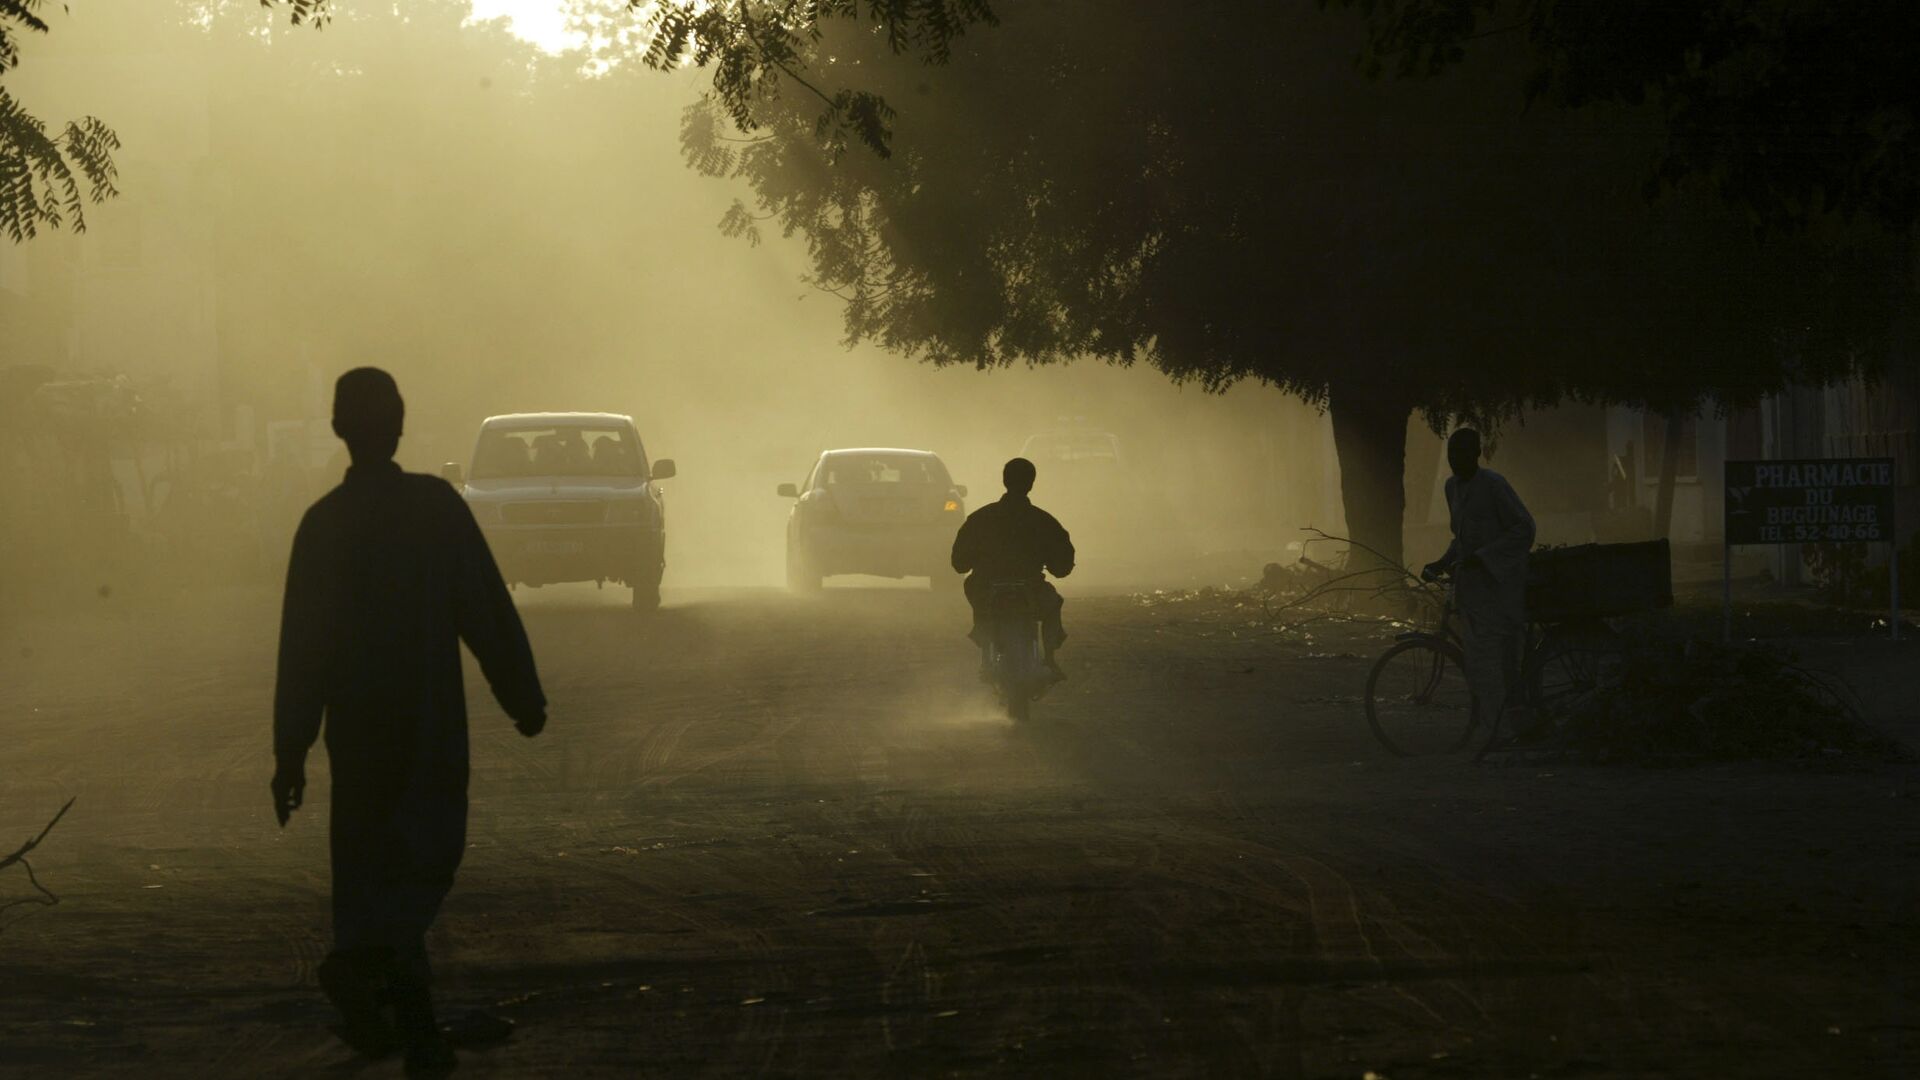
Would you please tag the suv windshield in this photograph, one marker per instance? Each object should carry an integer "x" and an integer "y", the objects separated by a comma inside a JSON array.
[
  {"x": 561, "y": 450},
  {"x": 1073, "y": 449},
  {"x": 883, "y": 469}
]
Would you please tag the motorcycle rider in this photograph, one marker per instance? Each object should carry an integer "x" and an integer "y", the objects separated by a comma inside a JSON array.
[{"x": 1014, "y": 540}]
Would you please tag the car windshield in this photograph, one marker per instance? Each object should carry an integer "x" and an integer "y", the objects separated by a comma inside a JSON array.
[
  {"x": 560, "y": 450},
  {"x": 1073, "y": 448},
  {"x": 883, "y": 469}
]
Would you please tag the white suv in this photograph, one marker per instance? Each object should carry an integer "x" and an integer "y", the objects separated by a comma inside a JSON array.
[{"x": 569, "y": 497}]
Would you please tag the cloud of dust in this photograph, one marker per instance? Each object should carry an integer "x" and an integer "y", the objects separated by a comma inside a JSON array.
[{"x": 504, "y": 234}]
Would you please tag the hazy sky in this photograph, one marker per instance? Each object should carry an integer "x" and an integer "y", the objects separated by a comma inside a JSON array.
[
  {"x": 542, "y": 22},
  {"x": 606, "y": 285}
]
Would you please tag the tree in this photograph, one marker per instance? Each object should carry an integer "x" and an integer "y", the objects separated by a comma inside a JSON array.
[
  {"x": 754, "y": 45},
  {"x": 46, "y": 180},
  {"x": 1215, "y": 190},
  {"x": 1789, "y": 109}
]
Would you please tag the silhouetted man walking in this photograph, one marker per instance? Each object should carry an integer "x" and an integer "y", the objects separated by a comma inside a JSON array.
[
  {"x": 1013, "y": 540},
  {"x": 389, "y": 574}
]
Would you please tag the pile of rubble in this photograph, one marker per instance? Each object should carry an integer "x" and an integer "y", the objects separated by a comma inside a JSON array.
[{"x": 1684, "y": 701}]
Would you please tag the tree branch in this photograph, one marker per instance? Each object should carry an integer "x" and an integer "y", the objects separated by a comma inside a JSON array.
[
  {"x": 20, "y": 855},
  {"x": 766, "y": 57},
  {"x": 46, "y": 897}
]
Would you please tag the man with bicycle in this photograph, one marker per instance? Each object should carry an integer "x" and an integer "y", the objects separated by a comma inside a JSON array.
[{"x": 1492, "y": 535}]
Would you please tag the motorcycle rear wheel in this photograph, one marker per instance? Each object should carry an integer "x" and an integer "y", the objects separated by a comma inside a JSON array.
[{"x": 1019, "y": 705}]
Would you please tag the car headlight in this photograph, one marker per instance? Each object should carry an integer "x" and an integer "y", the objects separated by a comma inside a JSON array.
[
  {"x": 953, "y": 506},
  {"x": 485, "y": 511},
  {"x": 627, "y": 510}
]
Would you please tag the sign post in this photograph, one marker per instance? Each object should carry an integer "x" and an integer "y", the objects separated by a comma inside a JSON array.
[
  {"x": 1726, "y": 594},
  {"x": 1820, "y": 501}
]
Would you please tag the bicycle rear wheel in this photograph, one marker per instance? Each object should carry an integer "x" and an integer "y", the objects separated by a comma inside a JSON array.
[
  {"x": 1571, "y": 661},
  {"x": 1418, "y": 700}
]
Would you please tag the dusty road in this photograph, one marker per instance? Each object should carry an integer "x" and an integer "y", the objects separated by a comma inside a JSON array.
[{"x": 766, "y": 837}]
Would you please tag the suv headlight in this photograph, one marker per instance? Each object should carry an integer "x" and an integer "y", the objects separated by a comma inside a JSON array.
[{"x": 627, "y": 511}]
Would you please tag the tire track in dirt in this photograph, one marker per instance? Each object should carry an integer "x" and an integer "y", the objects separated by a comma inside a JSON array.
[
  {"x": 804, "y": 815},
  {"x": 1458, "y": 958}
]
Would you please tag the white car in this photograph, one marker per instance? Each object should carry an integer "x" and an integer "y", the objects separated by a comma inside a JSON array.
[
  {"x": 881, "y": 511},
  {"x": 569, "y": 497}
]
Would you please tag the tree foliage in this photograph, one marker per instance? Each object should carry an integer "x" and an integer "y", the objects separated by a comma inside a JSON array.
[
  {"x": 303, "y": 12},
  {"x": 1215, "y": 190},
  {"x": 46, "y": 179},
  {"x": 1791, "y": 109},
  {"x": 1212, "y": 191},
  {"x": 755, "y": 46}
]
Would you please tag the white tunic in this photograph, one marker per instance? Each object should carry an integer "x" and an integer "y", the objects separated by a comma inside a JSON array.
[{"x": 1491, "y": 527}]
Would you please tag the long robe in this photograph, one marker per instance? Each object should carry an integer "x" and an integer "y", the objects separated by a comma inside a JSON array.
[
  {"x": 1491, "y": 527},
  {"x": 389, "y": 574}
]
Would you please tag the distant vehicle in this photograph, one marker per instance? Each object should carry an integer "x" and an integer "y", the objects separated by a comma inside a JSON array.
[
  {"x": 892, "y": 513},
  {"x": 1076, "y": 449},
  {"x": 1089, "y": 483},
  {"x": 1085, "y": 479},
  {"x": 569, "y": 497}
]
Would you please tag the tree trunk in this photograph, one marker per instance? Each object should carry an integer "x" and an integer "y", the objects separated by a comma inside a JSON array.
[
  {"x": 1370, "y": 439},
  {"x": 1669, "y": 473},
  {"x": 1424, "y": 454}
]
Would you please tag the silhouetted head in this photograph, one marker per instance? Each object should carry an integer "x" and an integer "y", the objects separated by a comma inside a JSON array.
[
  {"x": 368, "y": 413},
  {"x": 1018, "y": 476},
  {"x": 1463, "y": 452}
]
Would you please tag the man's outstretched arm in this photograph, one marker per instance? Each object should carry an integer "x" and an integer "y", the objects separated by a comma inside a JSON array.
[
  {"x": 1506, "y": 554},
  {"x": 299, "y": 692},
  {"x": 966, "y": 544},
  {"x": 1060, "y": 553},
  {"x": 491, "y": 627},
  {"x": 1451, "y": 557}
]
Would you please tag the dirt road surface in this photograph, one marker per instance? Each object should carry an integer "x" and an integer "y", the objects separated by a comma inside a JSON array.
[{"x": 766, "y": 837}]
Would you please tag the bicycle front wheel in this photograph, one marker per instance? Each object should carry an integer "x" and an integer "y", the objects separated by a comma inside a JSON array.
[{"x": 1418, "y": 700}]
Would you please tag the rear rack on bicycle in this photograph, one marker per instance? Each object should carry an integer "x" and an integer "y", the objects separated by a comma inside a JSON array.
[{"x": 1600, "y": 581}]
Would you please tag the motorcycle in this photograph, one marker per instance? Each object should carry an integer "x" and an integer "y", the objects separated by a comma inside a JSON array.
[{"x": 1016, "y": 655}]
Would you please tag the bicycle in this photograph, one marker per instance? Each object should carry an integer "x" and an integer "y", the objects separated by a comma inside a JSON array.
[{"x": 1418, "y": 700}]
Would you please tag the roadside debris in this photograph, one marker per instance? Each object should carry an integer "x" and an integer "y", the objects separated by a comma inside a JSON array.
[
  {"x": 46, "y": 897},
  {"x": 1684, "y": 701}
]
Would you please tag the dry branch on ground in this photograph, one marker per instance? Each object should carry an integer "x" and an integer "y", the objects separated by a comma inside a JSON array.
[{"x": 46, "y": 897}]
